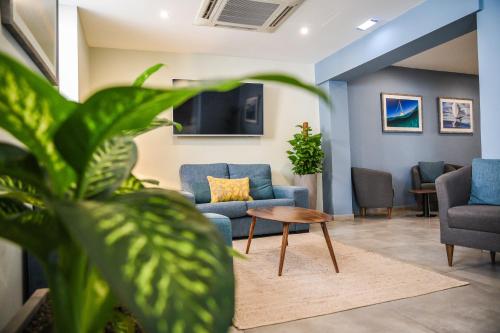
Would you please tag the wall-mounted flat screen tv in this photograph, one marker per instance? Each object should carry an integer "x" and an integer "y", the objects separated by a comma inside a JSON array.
[{"x": 238, "y": 112}]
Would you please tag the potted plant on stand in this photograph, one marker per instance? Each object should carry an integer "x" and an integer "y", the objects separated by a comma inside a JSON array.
[{"x": 307, "y": 160}]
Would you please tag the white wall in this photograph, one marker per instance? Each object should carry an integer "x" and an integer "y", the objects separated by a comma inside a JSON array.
[
  {"x": 161, "y": 154},
  {"x": 11, "y": 287},
  {"x": 83, "y": 62},
  {"x": 73, "y": 54}
]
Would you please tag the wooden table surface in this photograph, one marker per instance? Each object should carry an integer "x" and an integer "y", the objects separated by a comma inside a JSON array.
[{"x": 288, "y": 214}]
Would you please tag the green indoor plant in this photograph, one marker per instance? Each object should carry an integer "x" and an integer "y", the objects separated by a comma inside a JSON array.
[
  {"x": 69, "y": 198},
  {"x": 306, "y": 156}
]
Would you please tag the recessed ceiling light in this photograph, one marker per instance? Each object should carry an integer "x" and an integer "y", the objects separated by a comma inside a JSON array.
[
  {"x": 164, "y": 14},
  {"x": 304, "y": 30},
  {"x": 367, "y": 24}
]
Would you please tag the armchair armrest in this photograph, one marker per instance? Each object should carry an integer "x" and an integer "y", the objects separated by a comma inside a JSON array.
[
  {"x": 415, "y": 178},
  {"x": 299, "y": 194},
  {"x": 453, "y": 189},
  {"x": 188, "y": 195}
]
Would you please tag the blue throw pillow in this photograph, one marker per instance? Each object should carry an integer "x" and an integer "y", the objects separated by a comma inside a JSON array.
[
  {"x": 261, "y": 188},
  {"x": 485, "y": 189},
  {"x": 429, "y": 171}
]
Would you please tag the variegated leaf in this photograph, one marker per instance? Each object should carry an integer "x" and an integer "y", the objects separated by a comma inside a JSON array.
[
  {"x": 163, "y": 260},
  {"x": 109, "y": 167},
  {"x": 114, "y": 111},
  {"x": 156, "y": 123},
  {"x": 33, "y": 230},
  {"x": 129, "y": 185},
  {"x": 17, "y": 189},
  {"x": 32, "y": 110}
]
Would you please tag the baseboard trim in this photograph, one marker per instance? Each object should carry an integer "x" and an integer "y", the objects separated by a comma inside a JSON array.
[{"x": 343, "y": 217}]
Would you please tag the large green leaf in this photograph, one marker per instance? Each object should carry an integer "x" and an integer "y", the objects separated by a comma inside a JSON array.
[
  {"x": 156, "y": 123},
  {"x": 129, "y": 185},
  {"x": 15, "y": 188},
  {"x": 162, "y": 259},
  {"x": 33, "y": 230},
  {"x": 32, "y": 110},
  {"x": 139, "y": 82},
  {"x": 19, "y": 163},
  {"x": 109, "y": 167},
  {"x": 112, "y": 111}
]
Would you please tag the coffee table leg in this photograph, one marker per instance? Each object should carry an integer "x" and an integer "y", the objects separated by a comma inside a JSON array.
[
  {"x": 329, "y": 244},
  {"x": 284, "y": 242},
  {"x": 250, "y": 233}
]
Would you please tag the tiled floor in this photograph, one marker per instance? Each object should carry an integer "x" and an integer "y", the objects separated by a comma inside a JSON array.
[{"x": 471, "y": 309}]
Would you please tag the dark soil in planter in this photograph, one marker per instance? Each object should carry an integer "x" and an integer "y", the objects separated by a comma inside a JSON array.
[{"x": 43, "y": 320}]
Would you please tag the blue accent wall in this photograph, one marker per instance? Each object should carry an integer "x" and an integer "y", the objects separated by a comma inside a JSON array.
[
  {"x": 398, "y": 152},
  {"x": 488, "y": 42}
]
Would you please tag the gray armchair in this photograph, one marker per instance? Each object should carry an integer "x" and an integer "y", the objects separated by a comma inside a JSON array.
[
  {"x": 373, "y": 189},
  {"x": 418, "y": 184},
  {"x": 475, "y": 226}
]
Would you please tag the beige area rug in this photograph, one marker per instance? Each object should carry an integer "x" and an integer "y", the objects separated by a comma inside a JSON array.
[{"x": 309, "y": 286}]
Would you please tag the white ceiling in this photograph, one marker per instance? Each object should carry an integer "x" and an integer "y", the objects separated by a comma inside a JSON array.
[
  {"x": 136, "y": 25},
  {"x": 458, "y": 55}
]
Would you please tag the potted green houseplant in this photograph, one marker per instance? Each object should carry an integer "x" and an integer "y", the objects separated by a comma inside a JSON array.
[
  {"x": 307, "y": 160},
  {"x": 68, "y": 196}
]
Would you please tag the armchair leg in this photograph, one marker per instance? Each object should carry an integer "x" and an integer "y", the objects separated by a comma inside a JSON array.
[
  {"x": 492, "y": 256},
  {"x": 449, "y": 254},
  {"x": 363, "y": 212},
  {"x": 389, "y": 212}
]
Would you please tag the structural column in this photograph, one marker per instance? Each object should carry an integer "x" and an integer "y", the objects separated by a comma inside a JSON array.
[
  {"x": 337, "y": 190},
  {"x": 488, "y": 36}
]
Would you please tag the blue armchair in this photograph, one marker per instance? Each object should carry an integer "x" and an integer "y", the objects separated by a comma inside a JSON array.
[{"x": 195, "y": 187}]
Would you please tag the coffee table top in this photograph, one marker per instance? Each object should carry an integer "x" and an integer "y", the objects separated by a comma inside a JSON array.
[
  {"x": 423, "y": 191},
  {"x": 290, "y": 214}
]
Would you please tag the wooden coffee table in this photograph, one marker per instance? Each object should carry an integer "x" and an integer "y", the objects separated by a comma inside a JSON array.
[
  {"x": 426, "y": 205},
  {"x": 287, "y": 216}
]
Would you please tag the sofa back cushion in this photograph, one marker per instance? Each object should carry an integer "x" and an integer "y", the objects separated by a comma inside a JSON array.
[
  {"x": 194, "y": 179},
  {"x": 485, "y": 189},
  {"x": 429, "y": 171},
  {"x": 261, "y": 186}
]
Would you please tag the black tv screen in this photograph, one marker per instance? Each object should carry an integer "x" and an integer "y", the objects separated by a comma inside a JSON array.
[{"x": 237, "y": 112}]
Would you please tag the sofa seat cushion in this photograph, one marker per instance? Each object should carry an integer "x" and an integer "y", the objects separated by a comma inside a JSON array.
[
  {"x": 230, "y": 209},
  {"x": 270, "y": 203},
  {"x": 428, "y": 186},
  {"x": 478, "y": 218}
]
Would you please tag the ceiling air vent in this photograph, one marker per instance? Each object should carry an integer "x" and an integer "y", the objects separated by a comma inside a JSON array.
[{"x": 255, "y": 15}]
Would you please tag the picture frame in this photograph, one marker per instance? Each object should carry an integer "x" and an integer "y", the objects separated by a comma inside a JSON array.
[
  {"x": 401, "y": 113},
  {"x": 456, "y": 115},
  {"x": 251, "y": 109},
  {"x": 34, "y": 25}
]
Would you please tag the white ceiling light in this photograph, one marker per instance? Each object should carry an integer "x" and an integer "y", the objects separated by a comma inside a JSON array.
[
  {"x": 164, "y": 14},
  {"x": 367, "y": 24},
  {"x": 304, "y": 30}
]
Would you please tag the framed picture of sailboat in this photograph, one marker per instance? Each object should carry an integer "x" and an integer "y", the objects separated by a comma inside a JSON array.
[
  {"x": 456, "y": 115},
  {"x": 401, "y": 113}
]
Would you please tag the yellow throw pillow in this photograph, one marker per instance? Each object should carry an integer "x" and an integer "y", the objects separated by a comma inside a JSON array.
[{"x": 222, "y": 189}]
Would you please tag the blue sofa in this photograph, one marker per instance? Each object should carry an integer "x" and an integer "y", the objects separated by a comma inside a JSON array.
[{"x": 195, "y": 187}]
